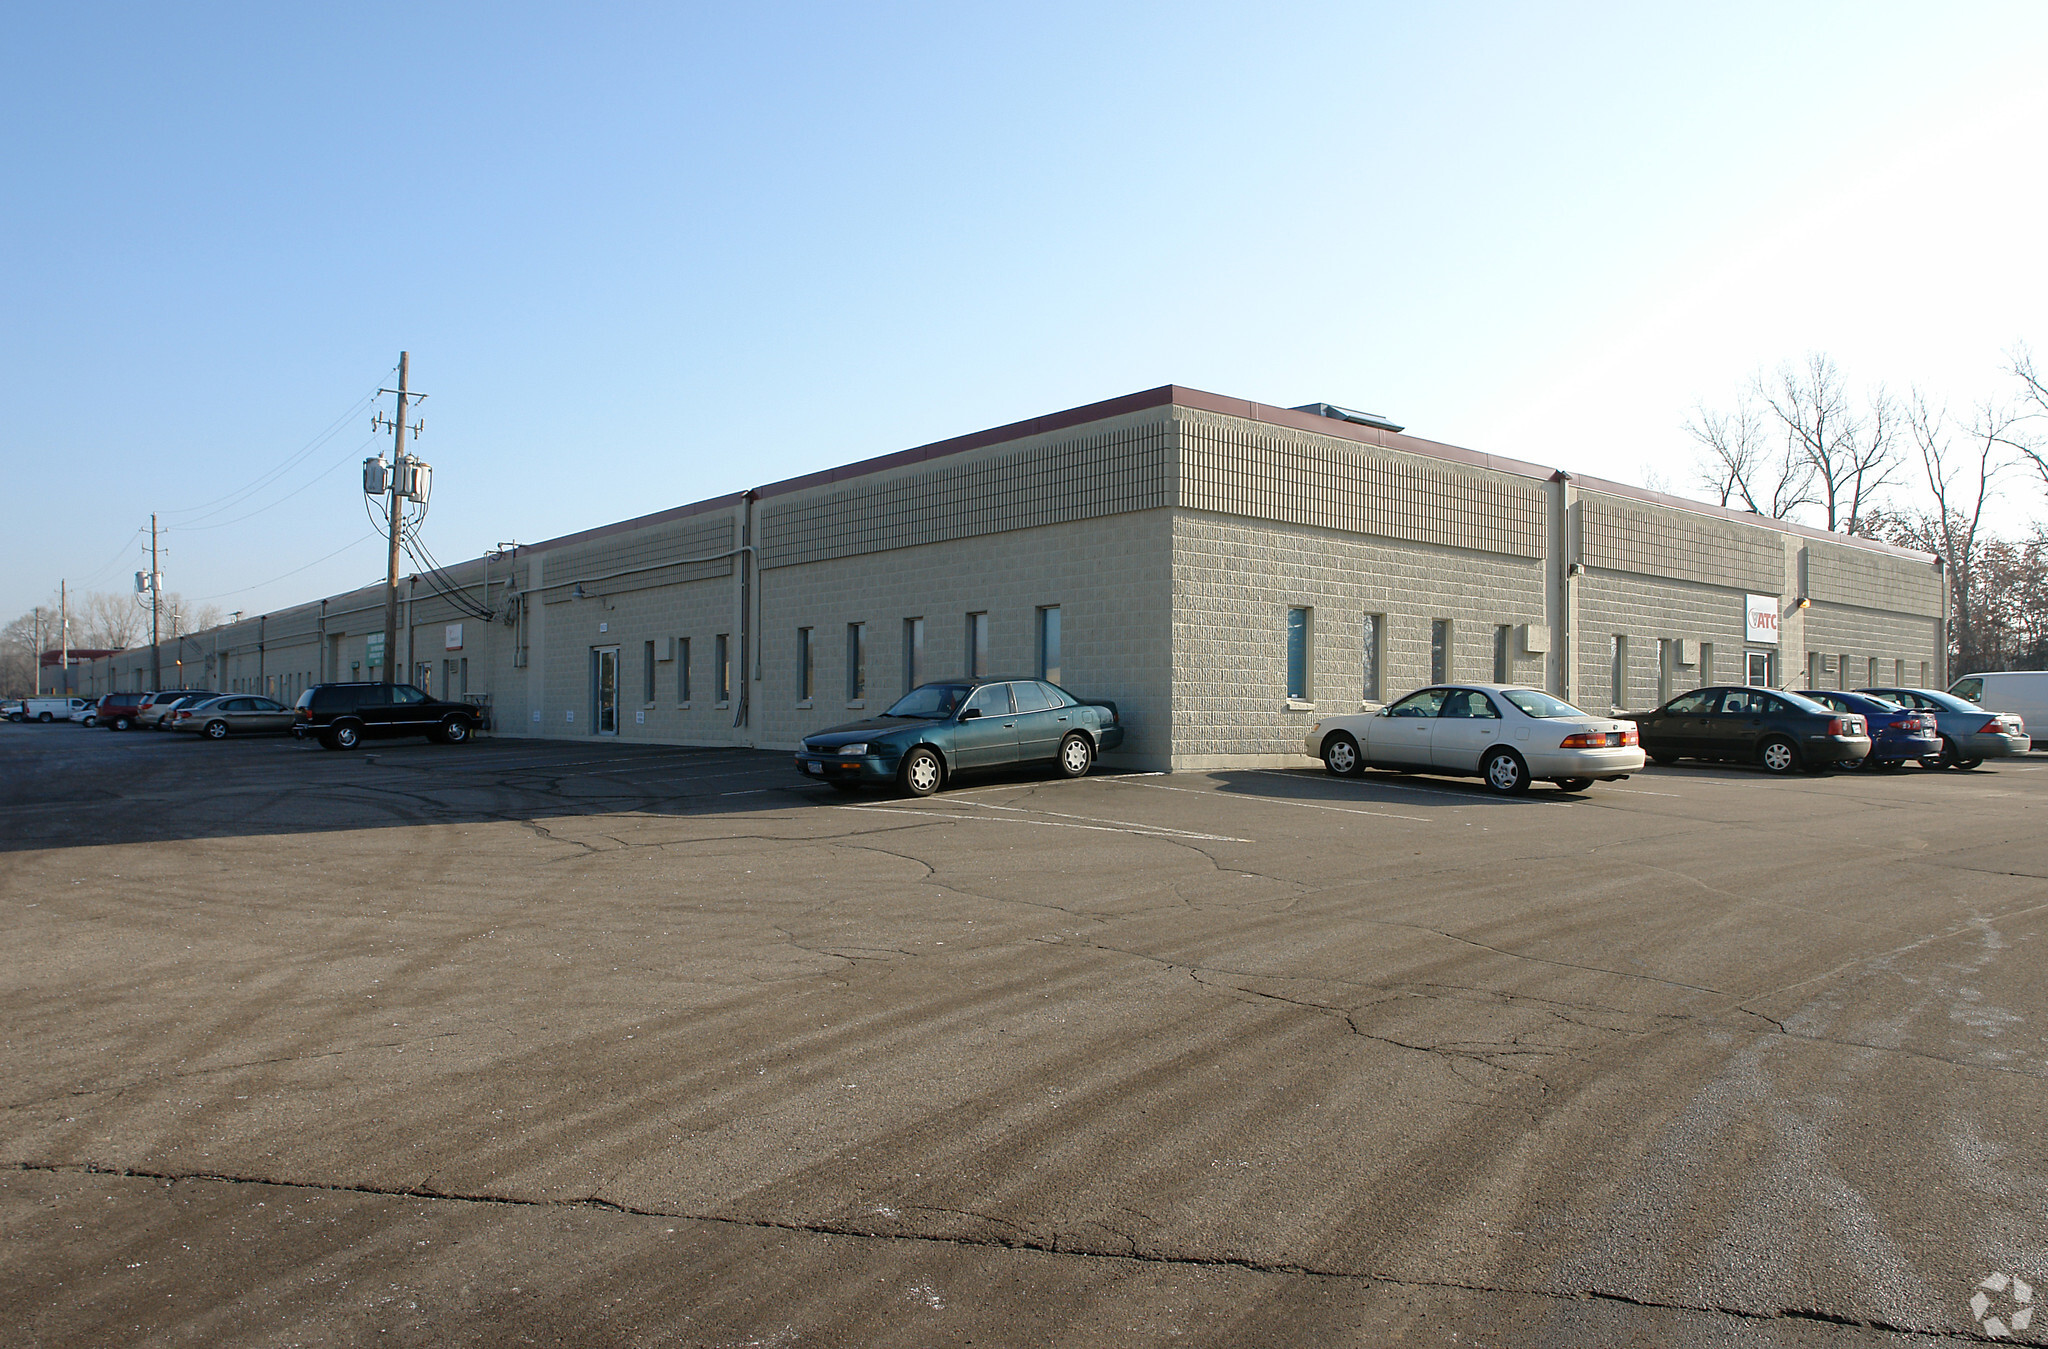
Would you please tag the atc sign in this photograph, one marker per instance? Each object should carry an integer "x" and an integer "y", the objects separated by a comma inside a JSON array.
[{"x": 1761, "y": 624}]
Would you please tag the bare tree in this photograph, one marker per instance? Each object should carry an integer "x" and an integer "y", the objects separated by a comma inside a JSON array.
[
  {"x": 108, "y": 622},
  {"x": 1745, "y": 465},
  {"x": 2034, "y": 390},
  {"x": 1961, "y": 478},
  {"x": 1852, "y": 456},
  {"x": 18, "y": 656}
]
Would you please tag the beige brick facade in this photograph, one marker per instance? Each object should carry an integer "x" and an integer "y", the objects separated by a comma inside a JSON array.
[{"x": 1173, "y": 530}]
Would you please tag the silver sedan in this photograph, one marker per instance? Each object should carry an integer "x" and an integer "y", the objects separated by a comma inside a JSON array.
[{"x": 1505, "y": 734}]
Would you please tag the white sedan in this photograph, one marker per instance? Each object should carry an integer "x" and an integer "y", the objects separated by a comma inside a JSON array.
[{"x": 1506, "y": 735}]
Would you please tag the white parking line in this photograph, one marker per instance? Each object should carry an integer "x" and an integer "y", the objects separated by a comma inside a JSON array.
[
  {"x": 1142, "y": 831},
  {"x": 1308, "y": 805},
  {"x": 1638, "y": 791}
]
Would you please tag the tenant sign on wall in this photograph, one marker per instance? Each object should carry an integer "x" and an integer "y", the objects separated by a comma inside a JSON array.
[
  {"x": 1761, "y": 624},
  {"x": 452, "y": 640}
]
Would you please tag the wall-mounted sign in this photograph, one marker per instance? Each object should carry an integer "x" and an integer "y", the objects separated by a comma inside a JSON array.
[
  {"x": 1760, "y": 624},
  {"x": 452, "y": 639},
  {"x": 373, "y": 650}
]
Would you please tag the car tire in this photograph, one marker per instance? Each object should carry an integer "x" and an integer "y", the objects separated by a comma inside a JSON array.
[
  {"x": 122, "y": 723},
  {"x": 46, "y": 718},
  {"x": 1573, "y": 784},
  {"x": 1077, "y": 755},
  {"x": 1505, "y": 773},
  {"x": 1778, "y": 755},
  {"x": 454, "y": 731},
  {"x": 922, "y": 772},
  {"x": 216, "y": 730},
  {"x": 1341, "y": 756},
  {"x": 344, "y": 736}
]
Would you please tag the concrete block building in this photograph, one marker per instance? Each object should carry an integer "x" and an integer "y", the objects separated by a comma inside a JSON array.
[{"x": 1224, "y": 570}]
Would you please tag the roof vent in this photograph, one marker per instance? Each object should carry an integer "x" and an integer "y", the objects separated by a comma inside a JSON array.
[{"x": 1348, "y": 415}]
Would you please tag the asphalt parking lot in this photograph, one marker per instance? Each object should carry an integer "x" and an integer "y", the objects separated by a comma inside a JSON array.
[{"x": 583, "y": 1044}]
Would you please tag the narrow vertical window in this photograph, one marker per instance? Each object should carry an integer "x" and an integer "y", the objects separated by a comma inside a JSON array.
[
  {"x": 1706, "y": 665},
  {"x": 1440, "y": 651},
  {"x": 1813, "y": 668},
  {"x": 1371, "y": 693},
  {"x": 1503, "y": 660},
  {"x": 647, "y": 673},
  {"x": 977, "y": 645},
  {"x": 721, "y": 667},
  {"x": 1873, "y": 672},
  {"x": 1297, "y": 654},
  {"x": 913, "y": 653},
  {"x": 1049, "y": 643},
  {"x": 856, "y": 661},
  {"x": 682, "y": 669},
  {"x": 1923, "y": 674},
  {"x": 1898, "y": 672},
  {"x": 1843, "y": 665},
  {"x": 465, "y": 675},
  {"x": 1617, "y": 672},
  {"x": 803, "y": 665}
]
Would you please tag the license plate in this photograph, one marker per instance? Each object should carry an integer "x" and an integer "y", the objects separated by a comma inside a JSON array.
[{"x": 814, "y": 768}]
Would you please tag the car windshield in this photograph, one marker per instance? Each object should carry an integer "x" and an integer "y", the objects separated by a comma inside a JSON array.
[
  {"x": 1948, "y": 701},
  {"x": 929, "y": 700},
  {"x": 1535, "y": 704}
]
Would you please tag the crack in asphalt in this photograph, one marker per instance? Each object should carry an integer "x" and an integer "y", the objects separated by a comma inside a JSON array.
[{"x": 1023, "y": 1242}]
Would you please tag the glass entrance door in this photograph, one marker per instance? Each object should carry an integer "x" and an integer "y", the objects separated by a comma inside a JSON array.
[
  {"x": 604, "y": 676},
  {"x": 1759, "y": 669}
]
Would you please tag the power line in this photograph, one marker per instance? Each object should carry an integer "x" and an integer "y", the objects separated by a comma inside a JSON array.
[
  {"x": 210, "y": 508},
  {"x": 375, "y": 533}
]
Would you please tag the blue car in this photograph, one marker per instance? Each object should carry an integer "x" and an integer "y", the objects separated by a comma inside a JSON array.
[
  {"x": 1969, "y": 734},
  {"x": 1896, "y": 733},
  {"x": 938, "y": 730}
]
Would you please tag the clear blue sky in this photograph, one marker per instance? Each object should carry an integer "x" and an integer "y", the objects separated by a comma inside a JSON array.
[{"x": 643, "y": 255}]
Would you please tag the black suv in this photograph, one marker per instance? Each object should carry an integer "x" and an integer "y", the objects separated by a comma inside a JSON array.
[{"x": 344, "y": 715}]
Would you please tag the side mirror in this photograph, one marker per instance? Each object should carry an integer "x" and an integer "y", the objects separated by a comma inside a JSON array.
[{"x": 970, "y": 714}]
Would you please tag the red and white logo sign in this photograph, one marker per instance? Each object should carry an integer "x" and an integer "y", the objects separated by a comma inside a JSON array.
[{"x": 1761, "y": 623}]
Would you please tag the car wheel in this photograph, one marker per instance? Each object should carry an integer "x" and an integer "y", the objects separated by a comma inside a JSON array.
[
  {"x": 46, "y": 718},
  {"x": 122, "y": 723},
  {"x": 1341, "y": 757},
  {"x": 216, "y": 730},
  {"x": 1967, "y": 764},
  {"x": 1574, "y": 784},
  {"x": 1778, "y": 755},
  {"x": 454, "y": 731},
  {"x": 922, "y": 772},
  {"x": 1505, "y": 773},
  {"x": 1077, "y": 756},
  {"x": 345, "y": 737}
]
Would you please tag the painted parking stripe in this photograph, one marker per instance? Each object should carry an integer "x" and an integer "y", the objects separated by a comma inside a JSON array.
[
  {"x": 1277, "y": 801},
  {"x": 1141, "y": 831}
]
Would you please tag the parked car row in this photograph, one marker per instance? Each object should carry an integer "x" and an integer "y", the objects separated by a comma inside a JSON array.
[
  {"x": 339, "y": 716},
  {"x": 1509, "y": 736}
]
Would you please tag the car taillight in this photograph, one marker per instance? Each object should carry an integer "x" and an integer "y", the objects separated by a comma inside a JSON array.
[
  {"x": 1630, "y": 737},
  {"x": 1584, "y": 740},
  {"x": 1846, "y": 726},
  {"x": 1995, "y": 726}
]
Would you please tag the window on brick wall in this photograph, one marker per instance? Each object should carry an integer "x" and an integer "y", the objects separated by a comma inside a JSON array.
[
  {"x": 1049, "y": 643},
  {"x": 721, "y": 667},
  {"x": 856, "y": 661},
  {"x": 682, "y": 669},
  {"x": 977, "y": 645},
  {"x": 1374, "y": 623},
  {"x": 646, "y": 674},
  {"x": 1706, "y": 663},
  {"x": 803, "y": 665},
  {"x": 1617, "y": 671},
  {"x": 1503, "y": 658},
  {"x": 1298, "y": 654},
  {"x": 1439, "y": 650},
  {"x": 913, "y": 653}
]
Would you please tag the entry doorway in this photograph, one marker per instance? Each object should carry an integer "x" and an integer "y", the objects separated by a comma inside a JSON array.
[
  {"x": 1759, "y": 669},
  {"x": 604, "y": 689}
]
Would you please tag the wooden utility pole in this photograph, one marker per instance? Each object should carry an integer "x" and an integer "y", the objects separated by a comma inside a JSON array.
[
  {"x": 64, "y": 620},
  {"x": 156, "y": 608},
  {"x": 397, "y": 503}
]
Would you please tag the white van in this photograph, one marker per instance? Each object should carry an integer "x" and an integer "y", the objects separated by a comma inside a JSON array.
[
  {"x": 47, "y": 709},
  {"x": 2022, "y": 691}
]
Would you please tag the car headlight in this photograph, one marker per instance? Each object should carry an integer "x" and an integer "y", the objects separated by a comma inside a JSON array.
[{"x": 858, "y": 747}]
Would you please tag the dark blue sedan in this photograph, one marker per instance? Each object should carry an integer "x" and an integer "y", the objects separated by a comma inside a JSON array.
[
  {"x": 937, "y": 730},
  {"x": 1896, "y": 733}
]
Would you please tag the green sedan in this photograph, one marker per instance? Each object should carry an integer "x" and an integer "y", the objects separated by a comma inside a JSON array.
[{"x": 937, "y": 730}]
